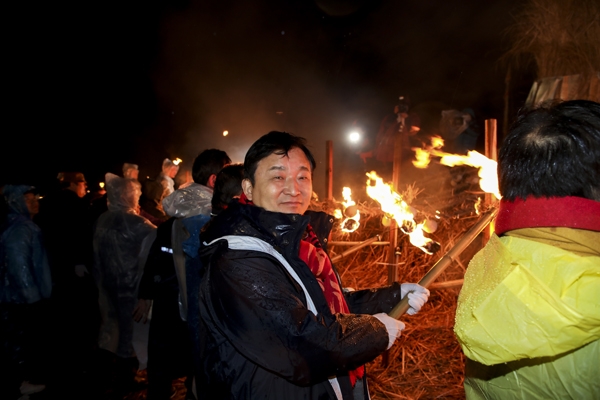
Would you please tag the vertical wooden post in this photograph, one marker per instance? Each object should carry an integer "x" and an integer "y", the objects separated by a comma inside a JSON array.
[
  {"x": 394, "y": 250},
  {"x": 329, "y": 169},
  {"x": 394, "y": 247},
  {"x": 506, "y": 103},
  {"x": 491, "y": 152}
]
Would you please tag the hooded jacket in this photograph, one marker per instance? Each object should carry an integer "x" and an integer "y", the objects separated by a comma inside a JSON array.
[
  {"x": 24, "y": 271},
  {"x": 259, "y": 338},
  {"x": 121, "y": 242}
]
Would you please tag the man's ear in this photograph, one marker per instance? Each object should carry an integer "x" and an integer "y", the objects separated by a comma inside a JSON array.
[
  {"x": 247, "y": 188},
  {"x": 211, "y": 181}
]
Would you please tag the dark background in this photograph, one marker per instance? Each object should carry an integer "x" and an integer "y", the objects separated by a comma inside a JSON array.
[{"x": 91, "y": 85}]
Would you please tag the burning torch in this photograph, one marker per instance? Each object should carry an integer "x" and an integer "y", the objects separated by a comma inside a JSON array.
[{"x": 447, "y": 259}]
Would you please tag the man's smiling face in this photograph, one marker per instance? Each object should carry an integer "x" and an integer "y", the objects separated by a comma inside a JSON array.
[{"x": 282, "y": 183}]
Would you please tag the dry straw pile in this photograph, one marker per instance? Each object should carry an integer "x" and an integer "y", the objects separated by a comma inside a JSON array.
[{"x": 426, "y": 362}]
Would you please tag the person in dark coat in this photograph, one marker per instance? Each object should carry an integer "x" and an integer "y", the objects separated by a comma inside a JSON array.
[
  {"x": 275, "y": 320},
  {"x": 163, "y": 283},
  {"x": 25, "y": 288},
  {"x": 64, "y": 221}
]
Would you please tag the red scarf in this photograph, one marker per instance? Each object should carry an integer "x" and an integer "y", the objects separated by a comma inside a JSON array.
[
  {"x": 570, "y": 211},
  {"x": 319, "y": 263}
]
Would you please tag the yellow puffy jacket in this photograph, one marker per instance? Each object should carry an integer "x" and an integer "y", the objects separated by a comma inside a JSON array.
[{"x": 528, "y": 316}]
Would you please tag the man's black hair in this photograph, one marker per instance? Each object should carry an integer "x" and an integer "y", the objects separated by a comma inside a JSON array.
[
  {"x": 207, "y": 163},
  {"x": 274, "y": 142},
  {"x": 552, "y": 151},
  {"x": 227, "y": 186}
]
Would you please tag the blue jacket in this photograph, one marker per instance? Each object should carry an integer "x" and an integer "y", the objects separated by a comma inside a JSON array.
[{"x": 24, "y": 270}]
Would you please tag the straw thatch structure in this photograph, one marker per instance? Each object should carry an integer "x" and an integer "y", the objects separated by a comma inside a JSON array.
[
  {"x": 562, "y": 36},
  {"x": 562, "y": 39}
]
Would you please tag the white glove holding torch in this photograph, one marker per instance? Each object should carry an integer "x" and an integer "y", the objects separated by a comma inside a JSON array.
[
  {"x": 393, "y": 326},
  {"x": 417, "y": 296}
]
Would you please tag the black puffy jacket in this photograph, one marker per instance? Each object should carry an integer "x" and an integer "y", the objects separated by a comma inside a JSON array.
[{"x": 259, "y": 339}]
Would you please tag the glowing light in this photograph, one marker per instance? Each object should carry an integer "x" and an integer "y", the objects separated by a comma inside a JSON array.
[
  {"x": 351, "y": 214},
  {"x": 487, "y": 167},
  {"x": 396, "y": 208},
  {"x": 354, "y": 137},
  {"x": 177, "y": 161},
  {"x": 101, "y": 184},
  {"x": 478, "y": 206},
  {"x": 225, "y": 133}
]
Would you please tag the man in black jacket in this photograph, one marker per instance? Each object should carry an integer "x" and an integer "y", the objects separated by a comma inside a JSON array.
[
  {"x": 276, "y": 323},
  {"x": 64, "y": 221}
]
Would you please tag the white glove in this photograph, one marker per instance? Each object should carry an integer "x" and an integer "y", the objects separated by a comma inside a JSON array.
[
  {"x": 417, "y": 296},
  {"x": 392, "y": 325}
]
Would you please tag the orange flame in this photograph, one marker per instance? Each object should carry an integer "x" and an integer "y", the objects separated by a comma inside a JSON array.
[
  {"x": 488, "y": 175},
  {"x": 351, "y": 214},
  {"x": 395, "y": 207},
  {"x": 177, "y": 161}
]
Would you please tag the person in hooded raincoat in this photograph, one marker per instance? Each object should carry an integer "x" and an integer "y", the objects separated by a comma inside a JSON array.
[
  {"x": 528, "y": 314},
  {"x": 167, "y": 175},
  {"x": 275, "y": 321},
  {"x": 25, "y": 287},
  {"x": 121, "y": 242}
]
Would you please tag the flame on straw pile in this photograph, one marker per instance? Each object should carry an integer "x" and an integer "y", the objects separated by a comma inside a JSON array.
[
  {"x": 394, "y": 206},
  {"x": 351, "y": 214},
  {"x": 177, "y": 161},
  {"x": 488, "y": 176}
]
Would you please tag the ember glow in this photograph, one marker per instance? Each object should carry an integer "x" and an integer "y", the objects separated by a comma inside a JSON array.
[
  {"x": 488, "y": 175},
  {"x": 396, "y": 208},
  {"x": 351, "y": 214}
]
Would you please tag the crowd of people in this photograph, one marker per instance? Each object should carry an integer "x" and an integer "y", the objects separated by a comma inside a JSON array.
[{"x": 226, "y": 281}]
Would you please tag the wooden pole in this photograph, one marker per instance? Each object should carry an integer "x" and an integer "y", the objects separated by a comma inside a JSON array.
[
  {"x": 447, "y": 259},
  {"x": 491, "y": 152},
  {"x": 506, "y": 103},
  {"x": 394, "y": 249},
  {"x": 355, "y": 248},
  {"x": 329, "y": 169}
]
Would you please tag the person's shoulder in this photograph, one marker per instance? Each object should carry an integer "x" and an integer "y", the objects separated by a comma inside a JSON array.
[
  {"x": 137, "y": 218},
  {"x": 224, "y": 223}
]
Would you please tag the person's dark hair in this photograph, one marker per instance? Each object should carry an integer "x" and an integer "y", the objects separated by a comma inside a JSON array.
[
  {"x": 209, "y": 162},
  {"x": 552, "y": 151},
  {"x": 228, "y": 185},
  {"x": 274, "y": 142}
]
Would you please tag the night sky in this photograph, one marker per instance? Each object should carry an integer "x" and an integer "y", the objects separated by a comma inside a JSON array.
[{"x": 91, "y": 85}]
